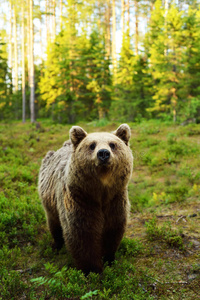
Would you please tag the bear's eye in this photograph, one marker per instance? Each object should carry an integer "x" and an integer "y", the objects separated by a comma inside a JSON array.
[
  {"x": 92, "y": 146},
  {"x": 112, "y": 146}
]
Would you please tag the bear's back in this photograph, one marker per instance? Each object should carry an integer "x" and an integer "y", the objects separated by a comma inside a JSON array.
[{"x": 53, "y": 168}]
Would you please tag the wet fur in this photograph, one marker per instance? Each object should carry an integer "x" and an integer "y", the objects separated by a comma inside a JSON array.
[{"x": 86, "y": 203}]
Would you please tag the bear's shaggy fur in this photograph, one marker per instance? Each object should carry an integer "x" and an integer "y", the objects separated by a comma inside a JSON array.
[{"x": 83, "y": 187}]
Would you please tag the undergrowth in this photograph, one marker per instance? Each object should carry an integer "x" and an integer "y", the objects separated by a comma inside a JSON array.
[
  {"x": 164, "y": 193},
  {"x": 164, "y": 233}
]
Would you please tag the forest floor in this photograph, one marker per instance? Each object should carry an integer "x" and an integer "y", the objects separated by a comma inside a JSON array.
[{"x": 159, "y": 257}]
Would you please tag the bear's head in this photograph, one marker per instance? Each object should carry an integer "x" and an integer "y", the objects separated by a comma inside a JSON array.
[{"x": 102, "y": 154}]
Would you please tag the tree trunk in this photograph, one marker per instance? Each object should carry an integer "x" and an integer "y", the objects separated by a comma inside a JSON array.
[
  {"x": 136, "y": 27},
  {"x": 23, "y": 69},
  {"x": 128, "y": 13},
  {"x": 32, "y": 79},
  {"x": 166, "y": 12},
  {"x": 10, "y": 58},
  {"x": 10, "y": 48},
  {"x": 61, "y": 5},
  {"x": 107, "y": 14},
  {"x": 114, "y": 60},
  {"x": 28, "y": 39},
  {"x": 122, "y": 16},
  {"x": 47, "y": 21},
  {"x": 40, "y": 33},
  {"x": 15, "y": 50},
  {"x": 53, "y": 20}
]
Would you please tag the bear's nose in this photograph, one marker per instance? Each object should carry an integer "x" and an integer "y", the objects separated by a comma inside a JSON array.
[{"x": 103, "y": 155}]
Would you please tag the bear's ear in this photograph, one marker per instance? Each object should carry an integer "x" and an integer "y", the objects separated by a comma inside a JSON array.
[
  {"x": 124, "y": 133},
  {"x": 77, "y": 134}
]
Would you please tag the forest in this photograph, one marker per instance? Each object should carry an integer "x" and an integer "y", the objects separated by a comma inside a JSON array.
[
  {"x": 99, "y": 63},
  {"x": 87, "y": 60}
]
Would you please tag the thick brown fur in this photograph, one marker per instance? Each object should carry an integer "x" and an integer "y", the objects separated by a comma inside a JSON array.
[{"x": 86, "y": 201}]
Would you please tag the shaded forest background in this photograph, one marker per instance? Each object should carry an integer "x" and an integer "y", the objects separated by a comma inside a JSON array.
[{"x": 122, "y": 60}]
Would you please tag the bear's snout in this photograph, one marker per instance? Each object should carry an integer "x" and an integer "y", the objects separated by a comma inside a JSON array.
[{"x": 103, "y": 155}]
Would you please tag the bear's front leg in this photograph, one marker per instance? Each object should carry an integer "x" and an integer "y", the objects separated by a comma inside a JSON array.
[
  {"x": 115, "y": 226},
  {"x": 55, "y": 228},
  {"x": 111, "y": 240},
  {"x": 83, "y": 238}
]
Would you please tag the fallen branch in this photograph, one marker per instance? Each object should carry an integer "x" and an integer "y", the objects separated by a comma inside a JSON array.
[
  {"x": 181, "y": 217},
  {"x": 168, "y": 282},
  {"x": 24, "y": 271}
]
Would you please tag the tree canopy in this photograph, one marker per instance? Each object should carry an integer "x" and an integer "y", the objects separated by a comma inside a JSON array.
[{"x": 79, "y": 74}]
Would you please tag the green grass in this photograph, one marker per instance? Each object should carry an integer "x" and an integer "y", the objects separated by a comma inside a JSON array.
[{"x": 159, "y": 256}]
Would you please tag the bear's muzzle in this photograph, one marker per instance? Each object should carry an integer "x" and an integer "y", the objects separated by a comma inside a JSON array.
[{"x": 103, "y": 155}]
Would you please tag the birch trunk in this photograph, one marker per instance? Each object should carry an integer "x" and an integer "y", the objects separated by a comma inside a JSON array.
[
  {"x": 61, "y": 5},
  {"x": 32, "y": 79},
  {"x": 53, "y": 20},
  {"x": 122, "y": 16},
  {"x": 166, "y": 12},
  {"x": 28, "y": 39},
  {"x": 136, "y": 27},
  {"x": 15, "y": 50},
  {"x": 128, "y": 13},
  {"x": 23, "y": 69},
  {"x": 10, "y": 49},
  {"x": 108, "y": 45},
  {"x": 114, "y": 60},
  {"x": 47, "y": 21}
]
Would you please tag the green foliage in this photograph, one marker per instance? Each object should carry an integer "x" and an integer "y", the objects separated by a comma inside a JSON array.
[
  {"x": 172, "y": 61},
  {"x": 118, "y": 281},
  {"x": 164, "y": 233},
  {"x": 132, "y": 90},
  {"x": 89, "y": 294},
  {"x": 62, "y": 283},
  {"x": 11, "y": 285},
  {"x": 4, "y": 89},
  {"x": 76, "y": 81},
  {"x": 130, "y": 247},
  {"x": 28, "y": 266}
]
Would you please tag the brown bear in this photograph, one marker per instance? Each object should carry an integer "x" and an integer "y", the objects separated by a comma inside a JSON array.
[{"x": 83, "y": 187}]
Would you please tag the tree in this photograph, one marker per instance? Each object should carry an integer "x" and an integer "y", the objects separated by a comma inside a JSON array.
[
  {"x": 32, "y": 78},
  {"x": 156, "y": 75},
  {"x": 136, "y": 26},
  {"x": 99, "y": 74},
  {"x": 108, "y": 29},
  {"x": 23, "y": 69},
  {"x": 133, "y": 89},
  {"x": 78, "y": 85},
  {"x": 171, "y": 48},
  {"x": 15, "y": 49},
  {"x": 53, "y": 19},
  {"x": 190, "y": 106},
  {"x": 4, "y": 103},
  {"x": 123, "y": 85},
  {"x": 10, "y": 62},
  {"x": 122, "y": 16},
  {"x": 166, "y": 70},
  {"x": 114, "y": 58}
]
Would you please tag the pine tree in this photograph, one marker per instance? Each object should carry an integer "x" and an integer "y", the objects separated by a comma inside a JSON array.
[
  {"x": 124, "y": 82},
  {"x": 15, "y": 48},
  {"x": 23, "y": 69},
  {"x": 166, "y": 31},
  {"x": 133, "y": 89},
  {"x": 190, "y": 107},
  {"x": 4, "y": 103},
  {"x": 99, "y": 74},
  {"x": 78, "y": 86},
  {"x": 32, "y": 75}
]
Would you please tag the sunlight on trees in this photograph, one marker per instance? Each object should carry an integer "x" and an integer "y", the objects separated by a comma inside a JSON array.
[{"x": 61, "y": 59}]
